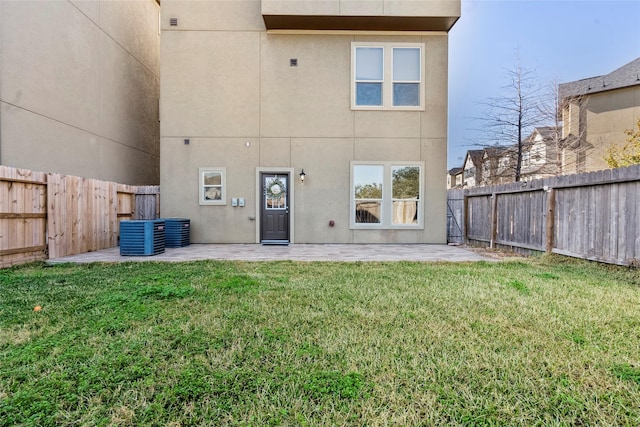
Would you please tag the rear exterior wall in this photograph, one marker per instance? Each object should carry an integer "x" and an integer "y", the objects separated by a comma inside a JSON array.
[{"x": 229, "y": 89}]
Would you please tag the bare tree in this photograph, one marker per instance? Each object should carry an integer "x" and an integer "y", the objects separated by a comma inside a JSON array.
[
  {"x": 511, "y": 115},
  {"x": 554, "y": 106},
  {"x": 551, "y": 111}
]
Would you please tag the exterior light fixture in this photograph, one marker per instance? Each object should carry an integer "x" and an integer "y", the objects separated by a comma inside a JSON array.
[{"x": 302, "y": 175}]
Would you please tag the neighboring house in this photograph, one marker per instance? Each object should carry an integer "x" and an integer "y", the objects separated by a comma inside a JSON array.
[
  {"x": 472, "y": 169},
  {"x": 79, "y": 88},
  {"x": 596, "y": 112},
  {"x": 349, "y": 95},
  {"x": 540, "y": 154},
  {"x": 498, "y": 165},
  {"x": 454, "y": 178}
]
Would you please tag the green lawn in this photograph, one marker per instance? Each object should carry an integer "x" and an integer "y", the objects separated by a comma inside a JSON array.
[{"x": 546, "y": 341}]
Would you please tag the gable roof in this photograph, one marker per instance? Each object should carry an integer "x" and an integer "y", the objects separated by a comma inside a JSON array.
[
  {"x": 498, "y": 151},
  {"x": 546, "y": 132},
  {"x": 475, "y": 155},
  {"x": 625, "y": 76},
  {"x": 455, "y": 171}
]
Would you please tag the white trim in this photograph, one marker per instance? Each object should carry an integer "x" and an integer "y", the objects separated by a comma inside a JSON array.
[
  {"x": 223, "y": 186},
  {"x": 386, "y": 214},
  {"x": 259, "y": 195},
  {"x": 388, "y": 79}
]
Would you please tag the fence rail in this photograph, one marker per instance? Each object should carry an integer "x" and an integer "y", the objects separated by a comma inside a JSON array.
[
  {"x": 594, "y": 216},
  {"x": 47, "y": 215}
]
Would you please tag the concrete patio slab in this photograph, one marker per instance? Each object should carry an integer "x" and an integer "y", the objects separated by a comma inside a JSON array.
[{"x": 296, "y": 252}]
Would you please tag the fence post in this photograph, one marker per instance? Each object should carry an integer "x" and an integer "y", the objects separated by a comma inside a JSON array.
[
  {"x": 494, "y": 220},
  {"x": 465, "y": 216},
  {"x": 136, "y": 205},
  {"x": 551, "y": 217}
]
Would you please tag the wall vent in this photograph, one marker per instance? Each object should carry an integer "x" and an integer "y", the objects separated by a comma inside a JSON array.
[{"x": 173, "y": 22}]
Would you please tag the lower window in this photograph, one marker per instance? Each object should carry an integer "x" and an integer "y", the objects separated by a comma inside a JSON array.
[
  {"x": 212, "y": 186},
  {"x": 386, "y": 195}
]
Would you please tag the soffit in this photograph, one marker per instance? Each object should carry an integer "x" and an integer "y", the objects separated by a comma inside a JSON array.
[{"x": 359, "y": 23}]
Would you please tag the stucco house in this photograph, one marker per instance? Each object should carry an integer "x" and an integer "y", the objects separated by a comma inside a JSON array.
[
  {"x": 79, "y": 88},
  {"x": 306, "y": 121},
  {"x": 595, "y": 112}
]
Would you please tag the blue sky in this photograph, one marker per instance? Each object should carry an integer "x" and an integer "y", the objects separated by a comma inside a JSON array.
[{"x": 562, "y": 40}]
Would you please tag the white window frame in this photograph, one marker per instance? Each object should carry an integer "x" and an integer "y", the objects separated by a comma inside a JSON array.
[
  {"x": 223, "y": 186},
  {"x": 386, "y": 207},
  {"x": 388, "y": 78}
]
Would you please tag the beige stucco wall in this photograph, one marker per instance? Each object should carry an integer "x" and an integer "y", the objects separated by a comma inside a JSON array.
[
  {"x": 606, "y": 116},
  {"x": 609, "y": 114},
  {"x": 79, "y": 88},
  {"x": 228, "y": 87}
]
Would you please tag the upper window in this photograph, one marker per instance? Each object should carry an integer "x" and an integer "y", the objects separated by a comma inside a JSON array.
[
  {"x": 386, "y": 195},
  {"x": 387, "y": 76},
  {"x": 212, "y": 186}
]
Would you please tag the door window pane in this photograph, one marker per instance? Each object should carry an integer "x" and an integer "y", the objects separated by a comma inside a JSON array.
[{"x": 275, "y": 192}]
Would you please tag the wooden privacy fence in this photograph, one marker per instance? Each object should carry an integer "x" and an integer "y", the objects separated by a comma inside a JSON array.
[
  {"x": 23, "y": 216},
  {"x": 47, "y": 215},
  {"x": 594, "y": 216}
]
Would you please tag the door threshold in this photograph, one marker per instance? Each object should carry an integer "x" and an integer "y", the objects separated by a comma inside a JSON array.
[{"x": 275, "y": 242}]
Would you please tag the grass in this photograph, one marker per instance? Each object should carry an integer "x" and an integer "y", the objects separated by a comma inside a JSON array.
[{"x": 546, "y": 341}]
